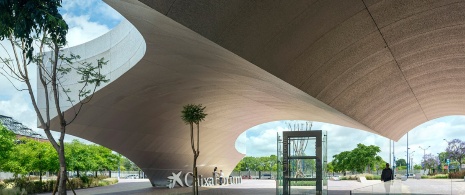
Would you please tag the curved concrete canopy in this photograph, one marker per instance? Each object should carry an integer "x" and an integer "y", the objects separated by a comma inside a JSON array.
[
  {"x": 391, "y": 65},
  {"x": 383, "y": 68}
]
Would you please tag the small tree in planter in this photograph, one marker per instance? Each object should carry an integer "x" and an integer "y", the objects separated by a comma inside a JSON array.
[{"x": 194, "y": 114}]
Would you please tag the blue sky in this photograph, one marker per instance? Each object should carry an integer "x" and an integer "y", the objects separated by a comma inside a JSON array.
[
  {"x": 96, "y": 11},
  {"x": 89, "y": 19}
]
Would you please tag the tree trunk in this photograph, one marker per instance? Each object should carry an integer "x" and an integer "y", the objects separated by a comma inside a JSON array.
[
  {"x": 195, "y": 161},
  {"x": 55, "y": 188},
  {"x": 196, "y": 186},
  {"x": 63, "y": 176}
]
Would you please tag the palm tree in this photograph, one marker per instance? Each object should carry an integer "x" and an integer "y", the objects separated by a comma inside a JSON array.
[{"x": 194, "y": 114}]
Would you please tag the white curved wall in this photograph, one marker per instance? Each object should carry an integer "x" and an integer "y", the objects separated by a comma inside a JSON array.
[{"x": 122, "y": 47}]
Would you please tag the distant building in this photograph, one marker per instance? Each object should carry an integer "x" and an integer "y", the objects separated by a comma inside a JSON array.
[{"x": 19, "y": 129}]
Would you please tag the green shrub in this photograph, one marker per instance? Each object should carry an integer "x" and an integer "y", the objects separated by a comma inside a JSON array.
[
  {"x": 85, "y": 180},
  {"x": 107, "y": 181},
  {"x": 93, "y": 182},
  {"x": 101, "y": 177},
  {"x": 373, "y": 177},
  {"x": 303, "y": 183},
  {"x": 49, "y": 185},
  {"x": 12, "y": 191},
  {"x": 26, "y": 186},
  {"x": 441, "y": 176},
  {"x": 76, "y": 183},
  {"x": 348, "y": 177}
]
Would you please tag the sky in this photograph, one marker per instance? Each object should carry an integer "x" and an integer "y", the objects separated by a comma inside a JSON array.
[{"x": 89, "y": 19}]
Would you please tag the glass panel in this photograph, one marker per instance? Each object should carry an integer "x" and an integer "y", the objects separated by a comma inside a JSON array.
[
  {"x": 303, "y": 187},
  {"x": 302, "y": 146},
  {"x": 302, "y": 168},
  {"x": 305, "y": 167}
]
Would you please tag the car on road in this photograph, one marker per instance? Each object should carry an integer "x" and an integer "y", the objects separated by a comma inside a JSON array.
[
  {"x": 132, "y": 176},
  {"x": 411, "y": 175},
  {"x": 267, "y": 176}
]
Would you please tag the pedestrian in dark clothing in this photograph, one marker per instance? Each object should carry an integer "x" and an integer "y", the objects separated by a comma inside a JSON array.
[{"x": 386, "y": 177}]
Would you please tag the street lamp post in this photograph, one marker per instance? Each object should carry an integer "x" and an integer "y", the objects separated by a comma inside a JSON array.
[
  {"x": 424, "y": 152},
  {"x": 409, "y": 160},
  {"x": 407, "y": 155},
  {"x": 447, "y": 159}
]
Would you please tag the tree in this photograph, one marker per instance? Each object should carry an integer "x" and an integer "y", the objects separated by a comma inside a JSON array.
[
  {"x": 194, "y": 114},
  {"x": 401, "y": 162},
  {"x": 359, "y": 159},
  {"x": 380, "y": 165},
  {"x": 106, "y": 159},
  {"x": 129, "y": 165},
  {"x": 7, "y": 143},
  {"x": 79, "y": 157},
  {"x": 341, "y": 162},
  {"x": 267, "y": 163},
  {"x": 31, "y": 156},
  {"x": 330, "y": 168},
  {"x": 456, "y": 150},
  {"x": 29, "y": 24},
  {"x": 363, "y": 157},
  {"x": 430, "y": 162},
  {"x": 299, "y": 146}
]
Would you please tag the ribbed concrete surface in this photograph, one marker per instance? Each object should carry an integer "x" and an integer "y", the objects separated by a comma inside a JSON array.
[
  {"x": 390, "y": 65},
  {"x": 379, "y": 66}
]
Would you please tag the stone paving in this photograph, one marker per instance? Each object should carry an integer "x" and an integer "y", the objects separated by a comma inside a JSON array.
[{"x": 266, "y": 187}]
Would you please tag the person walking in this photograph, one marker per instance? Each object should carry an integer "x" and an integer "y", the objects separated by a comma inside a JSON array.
[
  {"x": 215, "y": 175},
  {"x": 221, "y": 177},
  {"x": 386, "y": 177}
]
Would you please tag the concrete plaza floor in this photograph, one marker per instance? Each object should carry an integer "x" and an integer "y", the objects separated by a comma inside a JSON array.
[{"x": 267, "y": 187}]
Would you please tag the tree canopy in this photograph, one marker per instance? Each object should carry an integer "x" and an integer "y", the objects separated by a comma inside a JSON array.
[
  {"x": 25, "y": 20},
  {"x": 31, "y": 155},
  {"x": 430, "y": 161},
  {"x": 359, "y": 159},
  {"x": 401, "y": 162},
  {"x": 456, "y": 150},
  {"x": 266, "y": 163},
  {"x": 90, "y": 157},
  {"x": 7, "y": 142}
]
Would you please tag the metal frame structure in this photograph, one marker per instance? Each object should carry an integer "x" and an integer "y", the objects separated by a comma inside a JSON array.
[
  {"x": 18, "y": 128},
  {"x": 320, "y": 158}
]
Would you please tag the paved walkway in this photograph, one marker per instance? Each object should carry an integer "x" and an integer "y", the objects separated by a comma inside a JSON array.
[{"x": 267, "y": 187}]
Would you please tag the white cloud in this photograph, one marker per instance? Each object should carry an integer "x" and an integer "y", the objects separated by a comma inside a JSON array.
[
  {"x": 82, "y": 29},
  {"x": 70, "y": 5}
]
